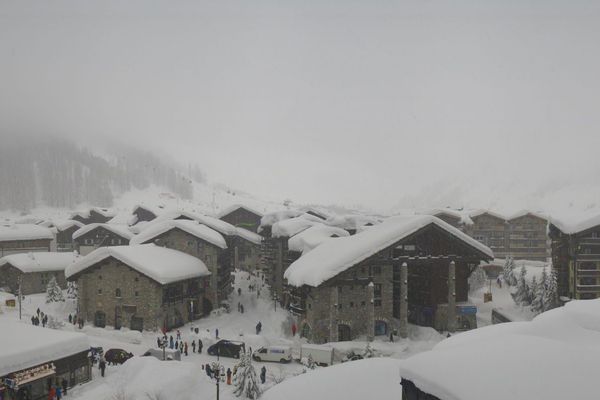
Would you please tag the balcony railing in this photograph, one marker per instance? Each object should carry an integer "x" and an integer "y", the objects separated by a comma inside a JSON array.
[{"x": 588, "y": 288}]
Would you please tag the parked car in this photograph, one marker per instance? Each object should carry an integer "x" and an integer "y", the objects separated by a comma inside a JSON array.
[
  {"x": 281, "y": 354},
  {"x": 321, "y": 354},
  {"x": 227, "y": 348},
  {"x": 169, "y": 354},
  {"x": 117, "y": 356}
]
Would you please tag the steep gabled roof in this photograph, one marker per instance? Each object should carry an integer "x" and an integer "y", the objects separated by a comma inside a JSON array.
[
  {"x": 39, "y": 262},
  {"x": 477, "y": 213},
  {"x": 236, "y": 207},
  {"x": 64, "y": 225},
  {"x": 524, "y": 213},
  {"x": 338, "y": 254},
  {"x": 119, "y": 230},
  {"x": 160, "y": 264},
  {"x": 194, "y": 228}
]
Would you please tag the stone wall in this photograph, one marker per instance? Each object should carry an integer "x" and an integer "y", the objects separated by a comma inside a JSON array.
[{"x": 33, "y": 282}]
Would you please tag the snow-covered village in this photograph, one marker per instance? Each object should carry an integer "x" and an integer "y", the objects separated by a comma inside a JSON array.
[{"x": 299, "y": 200}]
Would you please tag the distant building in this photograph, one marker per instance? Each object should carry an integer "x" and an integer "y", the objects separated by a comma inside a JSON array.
[
  {"x": 24, "y": 238},
  {"x": 33, "y": 271},
  {"x": 95, "y": 215},
  {"x": 32, "y": 358},
  {"x": 241, "y": 216},
  {"x": 64, "y": 234},
  {"x": 378, "y": 280},
  {"x": 139, "y": 287},
  {"x": 576, "y": 258},
  {"x": 91, "y": 236},
  {"x": 144, "y": 213}
]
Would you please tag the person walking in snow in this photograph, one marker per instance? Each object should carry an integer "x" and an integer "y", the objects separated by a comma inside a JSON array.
[
  {"x": 52, "y": 393},
  {"x": 242, "y": 308},
  {"x": 32, "y": 320},
  {"x": 38, "y": 311},
  {"x": 178, "y": 335},
  {"x": 70, "y": 319},
  {"x": 181, "y": 346},
  {"x": 194, "y": 346},
  {"x": 176, "y": 345},
  {"x": 102, "y": 366},
  {"x": 208, "y": 371},
  {"x": 229, "y": 376},
  {"x": 185, "y": 348},
  {"x": 58, "y": 392},
  {"x": 217, "y": 333},
  {"x": 239, "y": 291},
  {"x": 263, "y": 375},
  {"x": 199, "y": 346},
  {"x": 391, "y": 337},
  {"x": 171, "y": 343},
  {"x": 239, "y": 304},
  {"x": 294, "y": 328},
  {"x": 258, "y": 328}
]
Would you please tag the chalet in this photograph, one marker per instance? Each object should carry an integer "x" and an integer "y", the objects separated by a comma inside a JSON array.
[
  {"x": 201, "y": 242},
  {"x": 139, "y": 287},
  {"x": 24, "y": 238},
  {"x": 528, "y": 236},
  {"x": 64, "y": 234},
  {"x": 32, "y": 358},
  {"x": 576, "y": 258},
  {"x": 92, "y": 236},
  {"x": 144, "y": 213},
  {"x": 95, "y": 215},
  {"x": 406, "y": 269},
  {"x": 33, "y": 271},
  {"x": 353, "y": 223},
  {"x": 242, "y": 217},
  {"x": 490, "y": 229},
  {"x": 468, "y": 366},
  {"x": 450, "y": 216}
]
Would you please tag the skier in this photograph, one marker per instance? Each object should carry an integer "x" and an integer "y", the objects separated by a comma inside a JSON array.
[
  {"x": 102, "y": 366},
  {"x": 263, "y": 375},
  {"x": 199, "y": 346},
  {"x": 294, "y": 328},
  {"x": 229, "y": 376},
  {"x": 258, "y": 328},
  {"x": 194, "y": 346}
]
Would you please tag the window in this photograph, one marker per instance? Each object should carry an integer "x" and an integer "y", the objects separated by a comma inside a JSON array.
[
  {"x": 137, "y": 294},
  {"x": 340, "y": 306},
  {"x": 351, "y": 304},
  {"x": 99, "y": 291},
  {"x": 595, "y": 235},
  {"x": 207, "y": 258},
  {"x": 377, "y": 270},
  {"x": 377, "y": 295},
  {"x": 362, "y": 303},
  {"x": 117, "y": 292},
  {"x": 377, "y": 303},
  {"x": 99, "y": 277},
  {"x": 137, "y": 279},
  {"x": 309, "y": 306}
]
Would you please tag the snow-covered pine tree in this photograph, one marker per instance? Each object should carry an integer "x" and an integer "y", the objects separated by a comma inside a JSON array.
[
  {"x": 537, "y": 295},
  {"x": 521, "y": 295},
  {"x": 509, "y": 272},
  {"x": 72, "y": 290},
  {"x": 551, "y": 290},
  {"x": 310, "y": 362},
  {"x": 477, "y": 279},
  {"x": 246, "y": 383},
  {"x": 54, "y": 292}
]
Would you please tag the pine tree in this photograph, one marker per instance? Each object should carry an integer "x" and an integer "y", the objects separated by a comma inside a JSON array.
[
  {"x": 551, "y": 290},
  {"x": 246, "y": 383},
  {"x": 522, "y": 294},
  {"x": 509, "y": 272},
  {"x": 54, "y": 292},
  {"x": 537, "y": 296},
  {"x": 477, "y": 280}
]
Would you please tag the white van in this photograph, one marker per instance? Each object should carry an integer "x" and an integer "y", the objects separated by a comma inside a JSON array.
[
  {"x": 321, "y": 354},
  {"x": 281, "y": 354}
]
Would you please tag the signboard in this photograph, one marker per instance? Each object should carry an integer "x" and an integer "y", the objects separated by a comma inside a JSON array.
[
  {"x": 467, "y": 310},
  {"x": 29, "y": 375},
  {"x": 10, "y": 303}
]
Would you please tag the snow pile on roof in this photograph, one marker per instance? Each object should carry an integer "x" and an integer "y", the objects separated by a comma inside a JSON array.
[
  {"x": 39, "y": 262},
  {"x": 523, "y": 213},
  {"x": 24, "y": 232},
  {"x": 64, "y": 225},
  {"x": 462, "y": 215},
  {"x": 310, "y": 238},
  {"x": 24, "y": 346},
  {"x": 234, "y": 207},
  {"x": 480, "y": 212},
  {"x": 119, "y": 230},
  {"x": 105, "y": 212},
  {"x": 338, "y": 254},
  {"x": 372, "y": 378},
  {"x": 553, "y": 357},
  {"x": 158, "y": 263},
  {"x": 352, "y": 221},
  {"x": 194, "y": 228},
  {"x": 249, "y": 235},
  {"x": 292, "y": 226},
  {"x": 571, "y": 228},
  {"x": 271, "y": 218}
]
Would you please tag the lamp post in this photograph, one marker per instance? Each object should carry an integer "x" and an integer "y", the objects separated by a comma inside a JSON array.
[
  {"x": 275, "y": 298},
  {"x": 218, "y": 373}
]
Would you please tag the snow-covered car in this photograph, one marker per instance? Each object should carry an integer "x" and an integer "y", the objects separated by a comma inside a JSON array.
[
  {"x": 227, "y": 348},
  {"x": 281, "y": 354},
  {"x": 168, "y": 354},
  {"x": 320, "y": 354}
]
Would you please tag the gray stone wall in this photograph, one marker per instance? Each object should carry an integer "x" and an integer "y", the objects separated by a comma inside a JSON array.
[{"x": 33, "y": 282}]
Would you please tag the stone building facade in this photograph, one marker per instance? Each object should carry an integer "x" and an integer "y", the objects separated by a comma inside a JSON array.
[
  {"x": 114, "y": 294},
  {"x": 24, "y": 246},
  {"x": 31, "y": 282},
  {"x": 100, "y": 236}
]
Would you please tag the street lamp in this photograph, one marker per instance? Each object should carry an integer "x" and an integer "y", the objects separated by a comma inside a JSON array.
[
  {"x": 275, "y": 298},
  {"x": 218, "y": 373}
]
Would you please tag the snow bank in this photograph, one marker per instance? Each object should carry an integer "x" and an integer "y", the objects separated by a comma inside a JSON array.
[
  {"x": 373, "y": 378},
  {"x": 194, "y": 228},
  {"x": 24, "y": 232},
  {"x": 552, "y": 357},
  {"x": 120, "y": 230},
  {"x": 158, "y": 263},
  {"x": 23, "y": 345},
  {"x": 310, "y": 238},
  {"x": 39, "y": 262},
  {"x": 338, "y": 254}
]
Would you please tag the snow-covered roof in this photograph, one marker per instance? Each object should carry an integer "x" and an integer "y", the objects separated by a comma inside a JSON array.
[
  {"x": 39, "y": 262},
  {"x": 572, "y": 228},
  {"x": 158, "y": 263},
  {"x": 553, "y": 357},
  {"x": 372, "y": 378},
  {"x": 156, "y": 210},
  {"x": 23, "y": 345},
  {"x": 477, "y": 213},
  {"x": 338, "y": 254},
  {"x": 64, "y": 225},
  {"x": 311, "y": 237},
  {"x": 523, "y": 213},
  {"x": 352, "y": 221},
  {"x": 120, "y": 230},
  {"x": 24, "y": 232},
  {"x": 249, "y": 235},
  {"x": 462, "y": 215},
  {"x": 234, "y": 207},
  {"x": 271, "y": 218},
  {"x": 105, "y": 212},
  {"x": 194, "y": 228},
  {"x": 292, "y": 226}
]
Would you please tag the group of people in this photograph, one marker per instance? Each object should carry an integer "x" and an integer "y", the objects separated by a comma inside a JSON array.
[
  {"x": 178, "y": 343},
  {"x": 39, "y": 318},
  {"x": 214, "y": 374},
  {"x": 76, "y": 321},
  {"x": 56, "y": 392}
]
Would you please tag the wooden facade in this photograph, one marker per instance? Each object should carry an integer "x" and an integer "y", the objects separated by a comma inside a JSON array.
[
  {"x": 243, "y": 218},
  {"x": 98, "y": 237},
  {"x": 31, "y": 282},
  {"x": 24, "y": 246}
]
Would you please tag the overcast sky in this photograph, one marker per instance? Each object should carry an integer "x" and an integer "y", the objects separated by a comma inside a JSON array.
[{"x": 381, "y": 103}]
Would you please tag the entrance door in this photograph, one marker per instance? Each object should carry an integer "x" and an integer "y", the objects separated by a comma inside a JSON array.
[
  {"x": 380, "y": 328},
  {"x": 206, "y": 306},
  {"x": 344, "y": 333},
  {"x": 100, "y": 319},
  {"x": 117, "y": 317},
  {"x": 137, "y": 324}
]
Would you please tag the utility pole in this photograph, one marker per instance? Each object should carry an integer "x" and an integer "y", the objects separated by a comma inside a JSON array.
[{"x": 20, "y": 308}]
